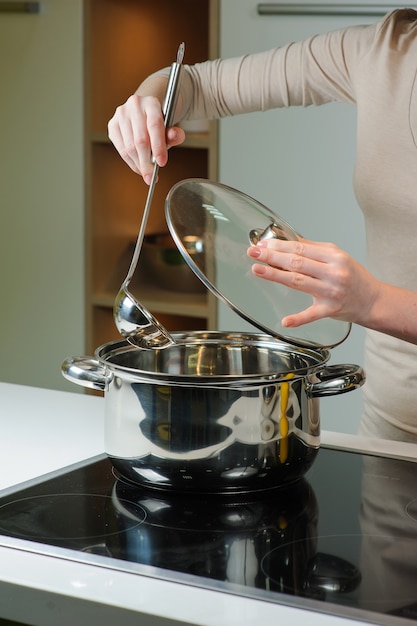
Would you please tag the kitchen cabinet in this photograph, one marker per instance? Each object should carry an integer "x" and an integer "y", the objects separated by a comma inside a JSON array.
[{"x": 124, "y": 42}]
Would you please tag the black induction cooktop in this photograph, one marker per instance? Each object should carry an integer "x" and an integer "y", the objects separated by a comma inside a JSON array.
[{"x": 342, "y": 540}]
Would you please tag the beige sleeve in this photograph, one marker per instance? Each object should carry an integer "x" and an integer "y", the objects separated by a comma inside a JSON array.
[{"x": 321, "y": 69}]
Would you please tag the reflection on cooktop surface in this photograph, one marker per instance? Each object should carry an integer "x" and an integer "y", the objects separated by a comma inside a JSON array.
[{"x": 346, "y": 534}]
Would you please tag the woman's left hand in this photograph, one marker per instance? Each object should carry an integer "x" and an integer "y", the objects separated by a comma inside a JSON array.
[{"x": 341, "y": 288}]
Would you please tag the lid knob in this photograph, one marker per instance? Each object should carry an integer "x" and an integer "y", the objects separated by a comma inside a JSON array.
[{"x": 273, "y": 231}]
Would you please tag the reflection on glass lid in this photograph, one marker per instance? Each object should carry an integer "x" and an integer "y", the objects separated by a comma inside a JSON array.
[{"x": 225, "y": 222}]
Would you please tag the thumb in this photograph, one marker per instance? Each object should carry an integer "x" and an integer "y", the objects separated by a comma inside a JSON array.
[{"x": 175, "y": 136}]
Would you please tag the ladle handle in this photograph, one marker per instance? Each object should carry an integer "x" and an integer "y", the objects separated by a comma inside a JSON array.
[
  {"x": 141, "y": 234},
  {"x": 171, "y": 93},
  {"x": 168, "y": 110}
]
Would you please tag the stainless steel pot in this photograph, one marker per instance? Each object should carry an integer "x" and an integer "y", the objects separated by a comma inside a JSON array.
[{"x": 217, "y": 412}]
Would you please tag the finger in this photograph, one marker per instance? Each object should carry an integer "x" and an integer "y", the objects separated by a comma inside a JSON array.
[
  {"x": 124, "y": 130},
  {"x": 321, "y": 261},
  {"x": 311, "y": 314},
  {"x": 316, "y": 251},
  {"x": 153, "y": 142},
  {"x": 299, "y": 282},
  {"x": 172, "y": 137},
  {"x": 283, "y": 255},
  {"x": 161, "y": 138},
  {"x": 120, "y": 133}
]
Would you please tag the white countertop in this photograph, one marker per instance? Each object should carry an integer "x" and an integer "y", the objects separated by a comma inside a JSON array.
[{"x": 44, "y": 430}]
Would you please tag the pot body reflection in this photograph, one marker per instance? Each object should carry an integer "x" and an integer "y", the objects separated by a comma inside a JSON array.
[{"x": 220, "y": 538}]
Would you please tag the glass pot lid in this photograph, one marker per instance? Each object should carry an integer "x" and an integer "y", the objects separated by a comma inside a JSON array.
[{"x": 212, "y": 226}]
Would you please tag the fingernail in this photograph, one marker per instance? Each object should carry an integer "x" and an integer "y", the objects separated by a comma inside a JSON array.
[{"x": 255, "y": 252}]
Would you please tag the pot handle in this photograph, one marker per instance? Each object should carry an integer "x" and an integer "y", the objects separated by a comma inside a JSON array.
[
  {"x": 335, "y": 379},
  {"x": 87, "y": 372}
]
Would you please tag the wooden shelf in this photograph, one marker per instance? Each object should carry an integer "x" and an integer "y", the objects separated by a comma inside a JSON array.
[
  {"x": 159, "y": 300},
  {"x": 124, "y": 42}
]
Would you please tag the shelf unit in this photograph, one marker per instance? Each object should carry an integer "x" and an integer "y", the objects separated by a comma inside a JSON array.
[{"x": 124, "y": 41}]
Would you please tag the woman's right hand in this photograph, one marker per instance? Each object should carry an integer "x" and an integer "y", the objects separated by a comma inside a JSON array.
[{"x": 138, "y": 133}]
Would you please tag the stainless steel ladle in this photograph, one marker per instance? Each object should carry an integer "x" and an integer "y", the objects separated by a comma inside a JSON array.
[{"x": 134, "y": 322}]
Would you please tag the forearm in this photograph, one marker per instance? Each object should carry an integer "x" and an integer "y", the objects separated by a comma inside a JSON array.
[{"x": 394, "y": 312}]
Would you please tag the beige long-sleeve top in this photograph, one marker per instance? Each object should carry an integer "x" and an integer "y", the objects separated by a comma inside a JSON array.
[{"x": 373, "y": 67}]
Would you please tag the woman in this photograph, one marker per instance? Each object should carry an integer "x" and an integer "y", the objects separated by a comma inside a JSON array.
[{"x": 373, "y": 67}]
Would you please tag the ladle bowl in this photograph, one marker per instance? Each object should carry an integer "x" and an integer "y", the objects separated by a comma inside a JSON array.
[{"x": 136, "y": 324}]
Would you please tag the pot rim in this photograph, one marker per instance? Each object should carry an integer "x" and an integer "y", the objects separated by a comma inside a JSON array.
[{"x": 109, "y": 351}]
